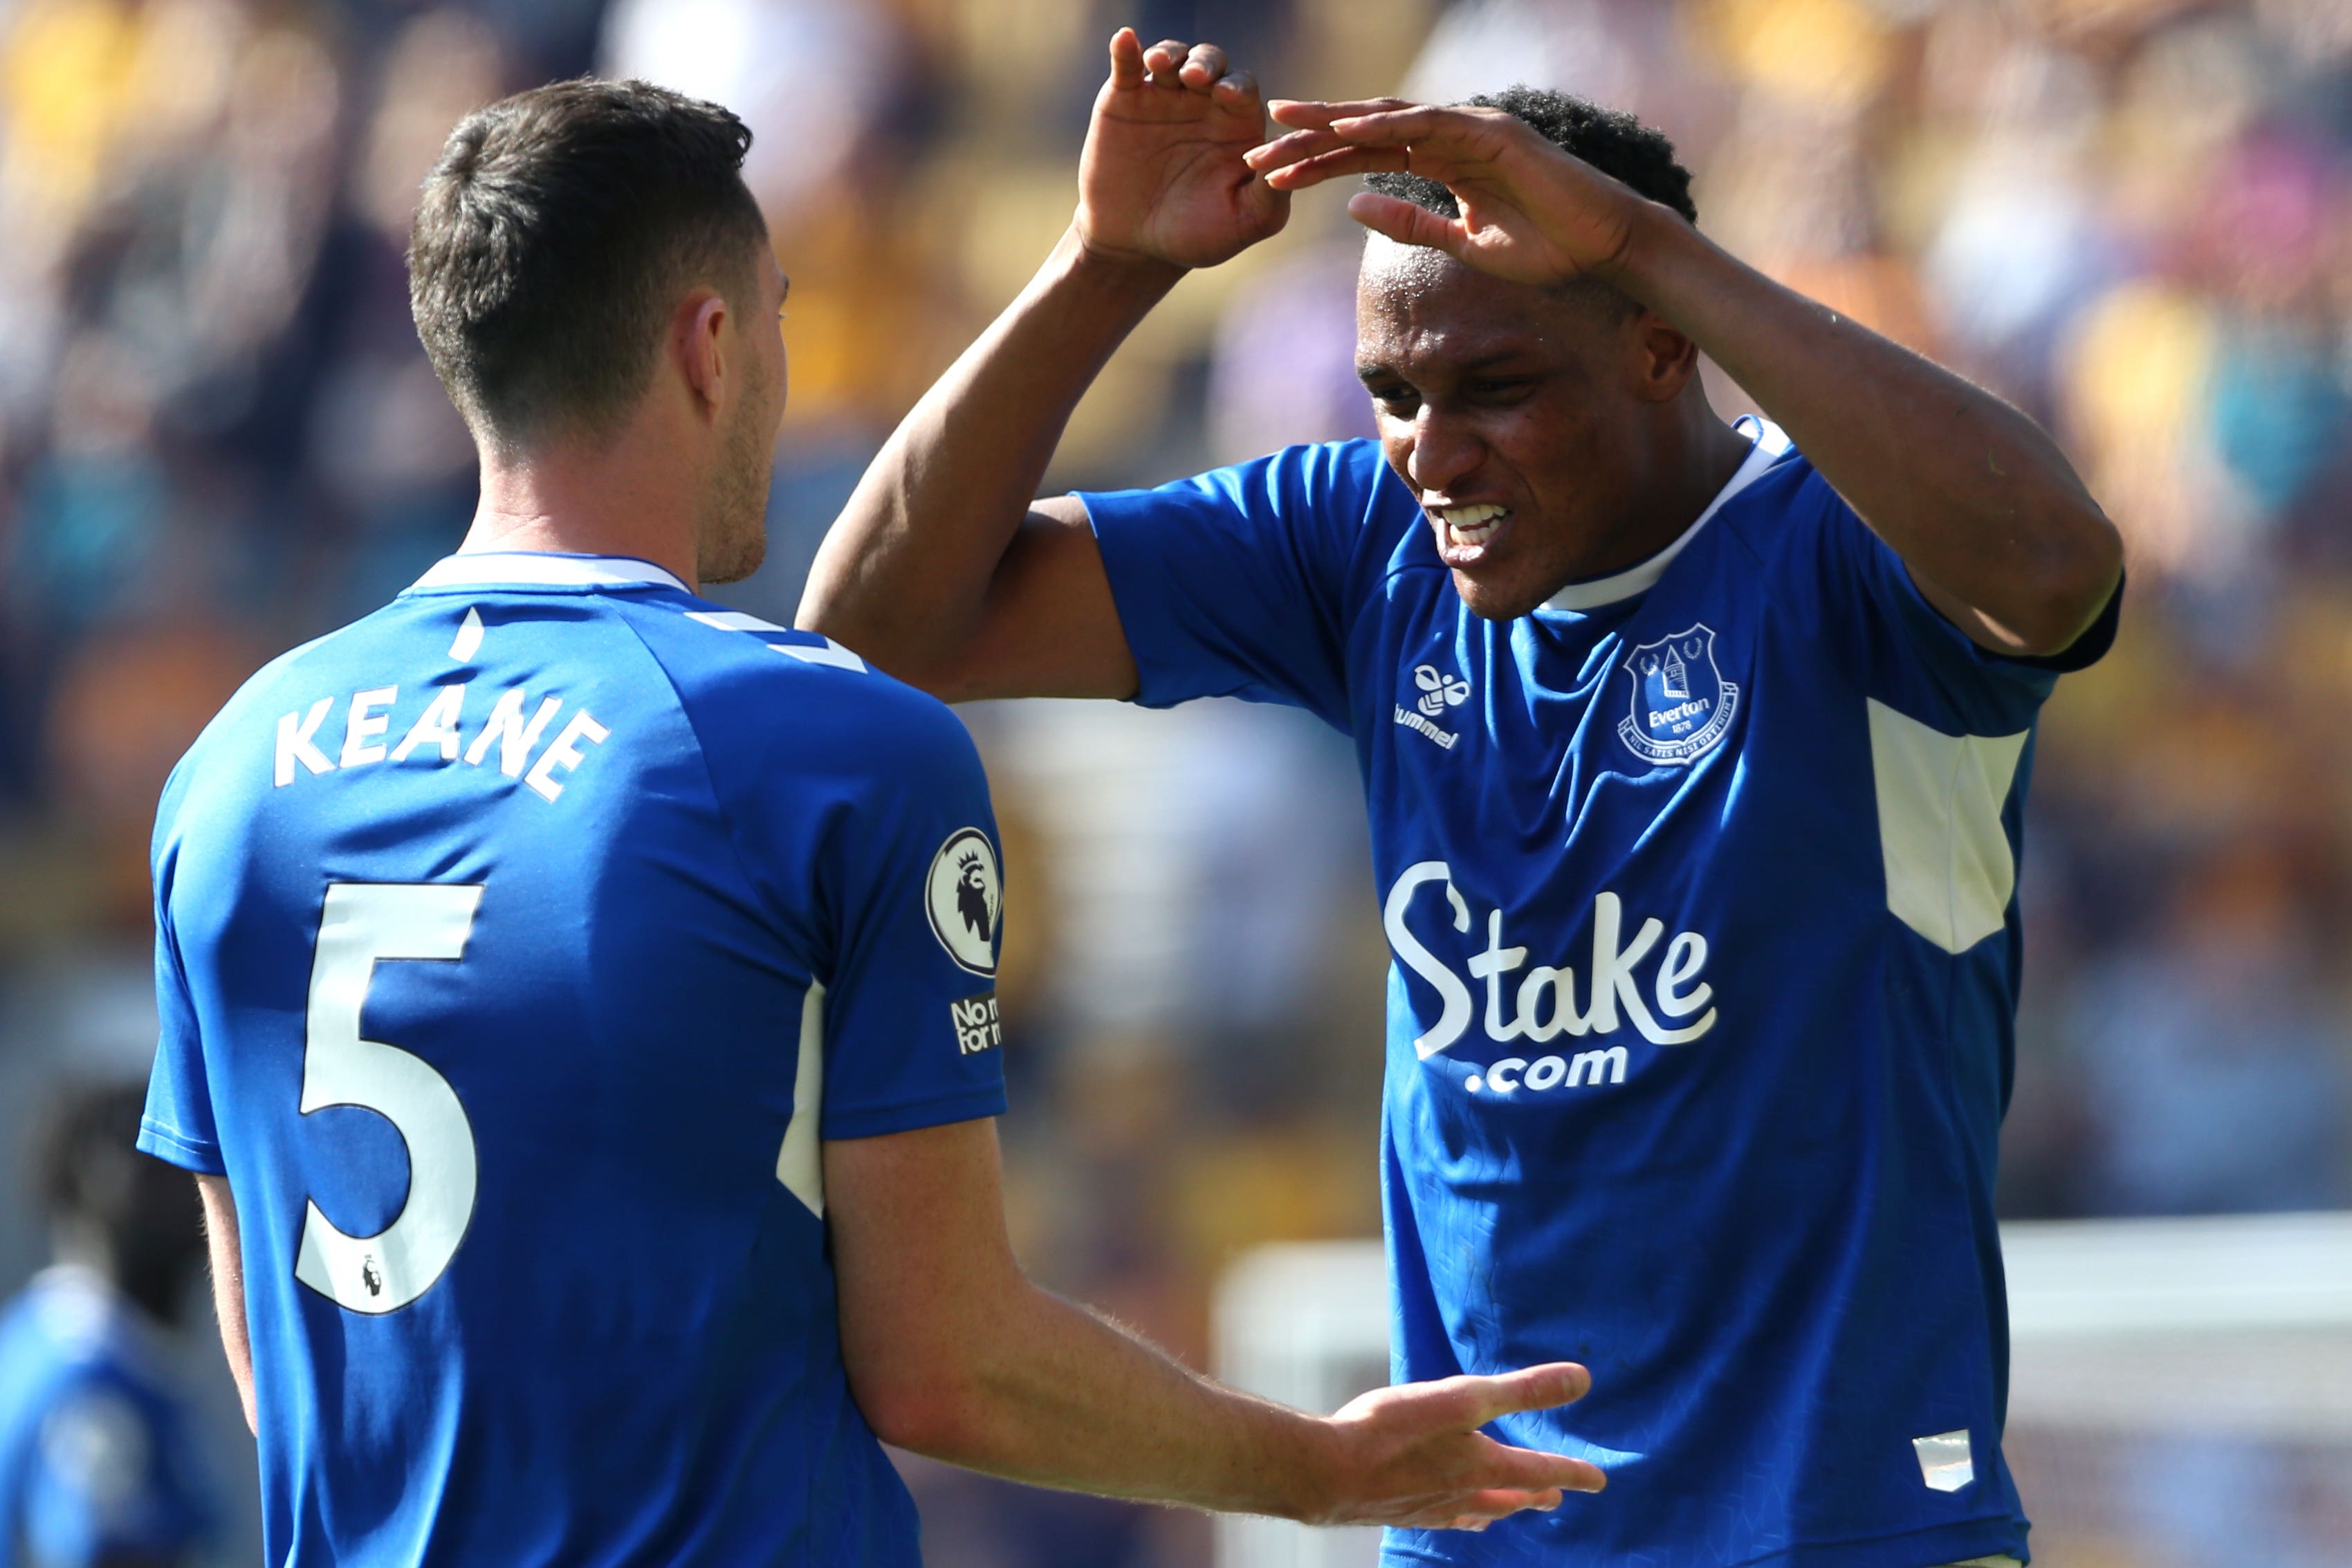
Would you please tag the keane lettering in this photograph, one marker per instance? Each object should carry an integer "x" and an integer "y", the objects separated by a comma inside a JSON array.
[
  {"x": 1638, "y": 979},
  {"x": 436, "y": 735}
]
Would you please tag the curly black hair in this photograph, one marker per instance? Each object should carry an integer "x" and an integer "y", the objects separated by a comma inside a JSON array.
[{"x": 1611, "y": 141}]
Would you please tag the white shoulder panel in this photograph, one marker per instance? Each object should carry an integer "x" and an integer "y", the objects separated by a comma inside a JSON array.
[
  {"x": 800, "y": 1163},
  {"x": 1950, "y": 872},
  {"x": 733, "y": 621},
  {"x": 832, "y": 654}
]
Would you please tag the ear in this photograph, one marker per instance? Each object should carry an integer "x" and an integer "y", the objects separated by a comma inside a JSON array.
[
  {"x": 1664, "y": 358},
  {"x": 699, "y": 338}
]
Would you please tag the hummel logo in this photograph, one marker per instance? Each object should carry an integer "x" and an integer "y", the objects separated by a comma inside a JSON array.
[{"x": 1440, "y": 691}]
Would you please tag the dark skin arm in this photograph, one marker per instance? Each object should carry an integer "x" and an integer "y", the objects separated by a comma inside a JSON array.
[
  {"x": 1991, "y": 520},
  {"x": 940, "y": 570}
]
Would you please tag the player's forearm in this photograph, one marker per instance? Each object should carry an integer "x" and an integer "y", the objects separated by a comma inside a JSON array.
[
  {"x": 1972, "y": 494},
  {"x": 225, "y": 1251},
  {"x": 1054, "y": 1395},
  {"x": 903, "y": 577}
]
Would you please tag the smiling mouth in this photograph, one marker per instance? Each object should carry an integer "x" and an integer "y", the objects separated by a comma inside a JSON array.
[{"x": 1468, "y": 529}]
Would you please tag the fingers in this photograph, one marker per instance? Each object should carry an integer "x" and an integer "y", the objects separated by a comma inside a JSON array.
[
  {"x": 1308, "y": 114},
  {"x": 1541, "y": 1388},
  {"x": 1407, "y": 223},
  {"x": 1344, "y": 161},
  {"x": 1478, "y": 1509},
  {"x": 1465, "y": 1403},
  {"x": 1376, "y": 126},
  {"x": 1202, "y": 66},
  {"x": 1506, "y": 1468},
  {"x": 1172, "y": 64},
  {"x": 1127, "y": 67},
  {"x": 1297, "y": 147},
  {"x": 1482, "y": 1509}
]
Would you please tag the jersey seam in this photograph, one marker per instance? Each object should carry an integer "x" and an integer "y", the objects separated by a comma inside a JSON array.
[
  {"x": 710, "y": 778},
  {"x": 1857, "y": 681}
]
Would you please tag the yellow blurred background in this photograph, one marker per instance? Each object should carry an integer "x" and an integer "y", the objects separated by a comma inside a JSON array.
[{"x": 2133, "y": 217}]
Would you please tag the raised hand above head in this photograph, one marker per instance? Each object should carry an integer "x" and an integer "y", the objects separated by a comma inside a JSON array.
[
  {"x": 1530, "y": 212},
  {"x": 1162, "y": 177}
]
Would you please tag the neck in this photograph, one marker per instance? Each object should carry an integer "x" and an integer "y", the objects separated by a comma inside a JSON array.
[
  {"x": 583, "y": 499},
  {"x": 1691, "y": 469}
]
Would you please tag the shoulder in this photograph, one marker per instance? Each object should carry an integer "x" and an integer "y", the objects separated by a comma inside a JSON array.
[
  {"x": 1340, "y": 485},
  {"x": 1347, "y": 483},
  {"x": 1784, "y": 509},
  {"x": 292, "y": 683},
  {"x": 292, "y": 671},
  {"x": 759, "y": 695}
]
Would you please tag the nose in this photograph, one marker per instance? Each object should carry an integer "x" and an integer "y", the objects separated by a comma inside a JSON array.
[{"x": 1445, "y": 451}]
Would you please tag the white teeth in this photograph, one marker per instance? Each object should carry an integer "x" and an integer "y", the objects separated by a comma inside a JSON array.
[{"x": 1471, "y": 525}]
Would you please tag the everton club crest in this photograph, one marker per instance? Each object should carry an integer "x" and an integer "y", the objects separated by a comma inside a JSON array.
[{"x": 1682, "y": 704}]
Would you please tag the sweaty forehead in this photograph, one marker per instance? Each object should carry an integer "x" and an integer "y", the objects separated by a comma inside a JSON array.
[
  {"x": 1413, "y": 301},
  {"x": 1405, "y": 271}
]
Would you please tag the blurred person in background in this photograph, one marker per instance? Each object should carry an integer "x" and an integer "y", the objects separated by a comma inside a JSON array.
[
  {"x": 98, "y": 1462},
  {"x": 1679, "y": 670},
  {"x": 2214, "y": 1070},
  {"x": 738, "y": 973}
]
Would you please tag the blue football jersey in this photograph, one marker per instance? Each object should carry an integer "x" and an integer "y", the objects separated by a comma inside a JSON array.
[
  {"x": 518, "y": 945},
  {"x": 98, "y": 1460},
  {"x": 1699, "y": 884}
]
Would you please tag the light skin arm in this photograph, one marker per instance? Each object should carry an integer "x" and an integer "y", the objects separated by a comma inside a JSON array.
[
  {"x": 940, "y": 570},
  {"x": 953, "y": 1353},
  {"x": 229, "y": 1288},
  {"x": 1992, "y": 522}
]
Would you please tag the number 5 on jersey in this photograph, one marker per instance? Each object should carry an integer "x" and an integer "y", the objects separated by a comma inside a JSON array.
[{"x": 361, "y": 924}]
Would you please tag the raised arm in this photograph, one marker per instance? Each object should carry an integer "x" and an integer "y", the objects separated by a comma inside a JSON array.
[
  {"x": 951, "y": 1353},
  {"x": 940, "y": 570},
  {"x": 1987, "y": 514}
]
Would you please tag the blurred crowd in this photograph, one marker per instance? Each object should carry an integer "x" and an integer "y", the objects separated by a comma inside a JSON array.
[{"x": 218, "y": 437}]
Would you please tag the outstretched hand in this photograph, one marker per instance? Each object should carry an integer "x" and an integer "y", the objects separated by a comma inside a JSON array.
[
  {"x": 1530, "y": 211},
  {"x": 1162, "y": 177},
  {"x": 1413, "y": 1457}
]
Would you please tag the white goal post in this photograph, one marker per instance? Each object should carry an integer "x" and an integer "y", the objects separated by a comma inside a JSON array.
[{"x": 2141, "y": 1349}]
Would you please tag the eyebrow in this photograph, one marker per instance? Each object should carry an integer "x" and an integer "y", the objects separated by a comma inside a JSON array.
[{"x": 1365, "y": 372}]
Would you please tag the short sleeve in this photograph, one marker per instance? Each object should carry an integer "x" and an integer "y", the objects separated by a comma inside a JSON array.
[
  {"x": 1897, "y": 647},
  {"x": 1233, "y": 584},
  {"x": 106, "y": 1482},
  {"x": 177, "y": 1126},
  {"x": 914, "y": 882}
]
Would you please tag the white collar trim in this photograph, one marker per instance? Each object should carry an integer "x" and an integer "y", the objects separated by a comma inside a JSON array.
[
  {"x": 482, "y": 568},
  {"x": 1770, "y": 442}
]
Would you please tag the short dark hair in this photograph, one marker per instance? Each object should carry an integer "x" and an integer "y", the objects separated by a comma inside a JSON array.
[
  {"x": 556, "y": 231},
  {"x": 93, "y": 1180},
  {"x": 87, "y": 1165},
  {"x": 1611, "y": 141}
]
